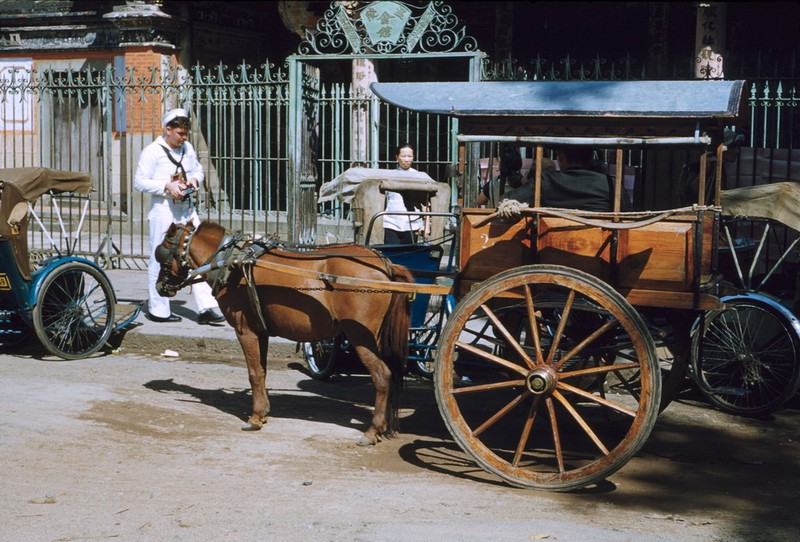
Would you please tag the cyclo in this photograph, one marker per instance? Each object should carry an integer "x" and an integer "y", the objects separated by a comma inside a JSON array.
[
  {"x": 66, "y": 299},
  {"x": 571, "y": 330}
]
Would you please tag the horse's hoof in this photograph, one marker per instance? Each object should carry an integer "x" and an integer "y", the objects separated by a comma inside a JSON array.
[
  {"x": 366, "y": 441},
  {"x": 249, "y": 426}
]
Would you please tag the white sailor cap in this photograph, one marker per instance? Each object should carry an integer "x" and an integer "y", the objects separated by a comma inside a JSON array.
[{"x": 172, "y": 115}]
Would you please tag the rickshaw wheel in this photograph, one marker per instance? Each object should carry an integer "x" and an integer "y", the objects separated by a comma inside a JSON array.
[
  {"x": 745, "y": 357},
  {"x": 424, "y": 341},
  {"x": 322, "y": 356},
  {"x": 547, "y": 377},
  {"x": 74, "y": 312}
]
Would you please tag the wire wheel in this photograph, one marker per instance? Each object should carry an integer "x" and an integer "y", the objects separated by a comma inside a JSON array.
[
  {"x": 745, "y": 357},
  {"x": 74, "y": 312},
  {"x": 323, "y": 358},
  {"x": 547, "y": 377}
]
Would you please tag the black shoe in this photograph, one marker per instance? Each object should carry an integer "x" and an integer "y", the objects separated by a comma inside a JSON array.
[
  {"x": 210, "y": 316},
  {"x": 170, "y": 318}
]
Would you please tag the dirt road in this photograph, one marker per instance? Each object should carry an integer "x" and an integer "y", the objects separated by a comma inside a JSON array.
[{"x": 149, "y": 448}]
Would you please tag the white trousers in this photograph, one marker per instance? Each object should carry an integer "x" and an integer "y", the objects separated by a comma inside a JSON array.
[{"x": 160, "y": 222}]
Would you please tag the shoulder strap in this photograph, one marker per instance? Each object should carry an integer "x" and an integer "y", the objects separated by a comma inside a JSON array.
[{"x": 178, "y": 163}]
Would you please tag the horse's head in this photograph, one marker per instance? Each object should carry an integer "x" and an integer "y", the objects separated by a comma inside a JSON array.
[{"x": 172, "y": 254}]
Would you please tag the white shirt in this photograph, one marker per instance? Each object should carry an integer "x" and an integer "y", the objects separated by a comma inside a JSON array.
[
  {"x": 154, "y": 170},
  {"x": 395, "y": 204}
]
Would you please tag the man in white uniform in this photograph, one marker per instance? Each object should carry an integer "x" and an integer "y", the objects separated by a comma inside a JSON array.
[{"x": 166, "y": 168}]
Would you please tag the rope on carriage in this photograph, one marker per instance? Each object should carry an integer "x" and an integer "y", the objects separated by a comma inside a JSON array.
[{"x": 583, "y": 217}]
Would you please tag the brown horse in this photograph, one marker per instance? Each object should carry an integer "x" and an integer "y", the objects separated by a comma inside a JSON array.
[{"x": 294, "y": 297}]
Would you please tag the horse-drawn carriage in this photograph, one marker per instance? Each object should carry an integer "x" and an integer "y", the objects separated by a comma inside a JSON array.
[
  {"x": 66, "y": 299},
  {"x": 571, "y": 328}
]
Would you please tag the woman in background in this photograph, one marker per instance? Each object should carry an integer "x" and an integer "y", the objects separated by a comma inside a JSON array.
[{"x": 401, "y": 229}]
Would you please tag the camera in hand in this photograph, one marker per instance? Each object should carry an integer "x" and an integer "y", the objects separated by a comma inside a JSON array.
[{"x": 188, "y": 193}]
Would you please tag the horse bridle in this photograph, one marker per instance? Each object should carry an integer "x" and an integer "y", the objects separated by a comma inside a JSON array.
[{"x": 170, "y": 282}]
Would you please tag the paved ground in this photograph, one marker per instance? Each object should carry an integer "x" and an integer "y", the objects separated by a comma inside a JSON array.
[{"x": 141, "y": 447}]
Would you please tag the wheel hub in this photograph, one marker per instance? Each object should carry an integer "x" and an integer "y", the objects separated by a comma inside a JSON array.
[{"x": 542, "y": 380}]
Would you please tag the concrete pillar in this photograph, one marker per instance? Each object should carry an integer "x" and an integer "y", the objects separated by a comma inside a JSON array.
[{"x": 364, "y": 74}]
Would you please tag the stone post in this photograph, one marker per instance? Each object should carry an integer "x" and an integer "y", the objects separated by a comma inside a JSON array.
[{"x": 710, "y": 40}]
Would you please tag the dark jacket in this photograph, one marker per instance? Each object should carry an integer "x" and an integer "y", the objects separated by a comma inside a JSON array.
[{"x": 576, "y": 188}]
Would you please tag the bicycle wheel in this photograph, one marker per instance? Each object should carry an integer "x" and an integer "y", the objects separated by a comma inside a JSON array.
[
  {"x": 547, "y": 377},
  {"x": 74, "y": 312},
  {"x": 424, "y": 340},
  {"x": 745, "y": 357},
  {"x": 322, "y": 357}
]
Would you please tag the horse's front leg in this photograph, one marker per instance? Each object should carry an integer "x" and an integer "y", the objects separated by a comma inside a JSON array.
[{"x": 255, "y": 349}]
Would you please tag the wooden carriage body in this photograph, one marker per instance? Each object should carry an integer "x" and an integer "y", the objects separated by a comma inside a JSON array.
[
  {"x": 663, "y": 264},
  {"x": 667, "y": 261}
]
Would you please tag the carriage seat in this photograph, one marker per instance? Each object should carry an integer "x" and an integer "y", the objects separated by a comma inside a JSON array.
[
  {"x": 370, "y": 199},
  {"x": 14, "y": 230}
]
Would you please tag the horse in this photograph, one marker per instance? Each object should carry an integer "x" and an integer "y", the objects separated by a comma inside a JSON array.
[{"x": 270, "y": 289}]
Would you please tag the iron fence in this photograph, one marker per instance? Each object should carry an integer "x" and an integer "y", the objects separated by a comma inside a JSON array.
[{"x": 98, "y": 121}]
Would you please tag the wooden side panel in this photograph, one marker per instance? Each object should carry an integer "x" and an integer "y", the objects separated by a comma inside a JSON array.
[
  {"x": 659, "y": 256},
  {"x": 492, "y": 247},
  {"x": 658, "y": 264},
  {"x": 564, "y": 242}
]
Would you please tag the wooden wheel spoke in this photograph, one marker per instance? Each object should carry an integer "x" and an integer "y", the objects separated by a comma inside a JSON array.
[
  {"x": 526, "y": 431},
  {"x": 581, "y": 422},
  {"x": 497, "y": 416},
  {"x": 585, "y": 342},
  {"x": 488, "y": 387},
  {"x": 596, "y": 399},
  {"x": 533, "y": 328},
  {"x": 559, "y": 452},
  {"x": 561, "y": 325},
  {"x": 597, "y": 370},
  {"x": 510, "y": 339},
  {"x": 492, "y": 358}
]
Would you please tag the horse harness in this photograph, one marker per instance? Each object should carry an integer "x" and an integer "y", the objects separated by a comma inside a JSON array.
[{"x": 240, "y": 251}]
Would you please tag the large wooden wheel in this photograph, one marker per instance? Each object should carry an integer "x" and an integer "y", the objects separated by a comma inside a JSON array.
[{"x": 547, "y": 377}]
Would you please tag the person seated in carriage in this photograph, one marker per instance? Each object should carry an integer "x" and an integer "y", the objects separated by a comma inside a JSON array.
[
  {"x": 579, "y": 182},
  {"x": 509, "y": 178}
]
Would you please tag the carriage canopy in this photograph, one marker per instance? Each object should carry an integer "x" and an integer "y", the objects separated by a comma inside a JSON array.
[
  {"x": 21, "y": 186},
  {"x": 548, "y": 99},
  {"x": 575, "y": 108}
]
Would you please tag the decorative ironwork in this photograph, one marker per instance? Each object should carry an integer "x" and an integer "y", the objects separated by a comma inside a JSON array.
[
  {"x": 387, "y": 27},
  {"x": 564, "y": 69}
]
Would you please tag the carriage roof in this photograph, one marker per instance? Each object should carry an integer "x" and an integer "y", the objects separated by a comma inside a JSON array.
[
  {"x": 32, "y": 182},
  {"x": 575, "y": 108},
  {"x": 22, "y": 186}
]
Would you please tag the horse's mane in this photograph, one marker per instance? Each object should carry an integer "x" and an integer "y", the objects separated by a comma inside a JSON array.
[{"x": 213, "y": 227}]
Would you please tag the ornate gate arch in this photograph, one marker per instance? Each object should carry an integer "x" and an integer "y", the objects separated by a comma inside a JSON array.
[{"x": 365, "y": 35}]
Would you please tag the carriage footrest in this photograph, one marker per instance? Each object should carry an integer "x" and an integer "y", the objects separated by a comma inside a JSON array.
[{"x": 125, "y": 314}]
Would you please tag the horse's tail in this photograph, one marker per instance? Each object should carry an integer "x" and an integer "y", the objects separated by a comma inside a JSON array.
[{"x": 394, "y": 341}]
